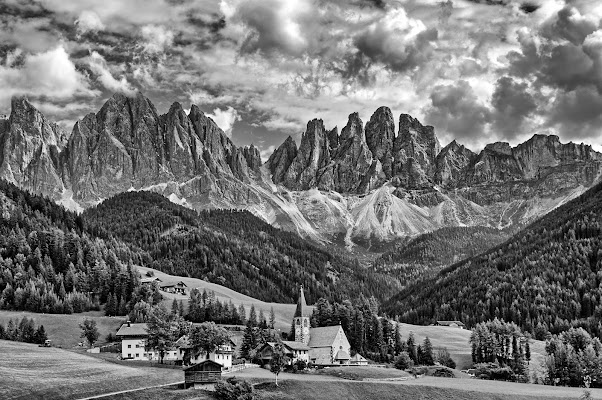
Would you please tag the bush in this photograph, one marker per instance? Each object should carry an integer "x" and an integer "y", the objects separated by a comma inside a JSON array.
[
  {"x": 403, "y": 361},
  {"x": 444, "y": 373},
  {"x": 493, "y": 371},
  {"x": 234, "y": 389},
  {"x": 301, "y": 365}
]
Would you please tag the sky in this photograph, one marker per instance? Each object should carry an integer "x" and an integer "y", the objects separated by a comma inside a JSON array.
[{"x": 479, "y": 71}]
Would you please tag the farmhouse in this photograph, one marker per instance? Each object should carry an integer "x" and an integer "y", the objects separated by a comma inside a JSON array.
[
  {"x": 202, "y": 373},
  {"x": 133, "y": 341},
  {"x": 179, "y": 288},
  {"x": 222, "y": 356},
  {"x": 295, "y": 351},
  {"x": 451, "y": 324},
  {"x": 150, "y": 280},
  {"x": 327, "y": 345}
]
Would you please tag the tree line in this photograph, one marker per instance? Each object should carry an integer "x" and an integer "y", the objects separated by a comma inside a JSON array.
[{"x": 23, "y": 331}]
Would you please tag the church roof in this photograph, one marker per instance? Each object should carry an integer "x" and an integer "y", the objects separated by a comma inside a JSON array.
[
  {"x": 302, "y": 308},
  {"x": 324, "y": 336}
]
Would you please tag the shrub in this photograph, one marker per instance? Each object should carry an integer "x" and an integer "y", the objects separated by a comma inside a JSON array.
[
  {"x": 403, "y": 361},
  {"x": 493, "y": 371},
  {"x": 444, "y": 373},
  {"x": 444, "y": 358},
  {"x": 234, "y": 389},
  {"x": 301, "y": 365}
]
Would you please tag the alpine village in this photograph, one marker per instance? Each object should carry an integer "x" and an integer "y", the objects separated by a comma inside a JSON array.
[{"x": 181, "y": 217}]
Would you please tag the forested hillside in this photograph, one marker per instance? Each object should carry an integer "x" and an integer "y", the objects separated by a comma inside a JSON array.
[
  {"x": 48, "y": 264},
  {"x": 424, "y": 256},
  {"x": 546, "y": 278},
  {"x": 231, "y": 248}
]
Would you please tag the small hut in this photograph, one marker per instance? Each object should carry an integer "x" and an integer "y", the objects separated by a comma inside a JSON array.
[{"x": 205, "y": 372}]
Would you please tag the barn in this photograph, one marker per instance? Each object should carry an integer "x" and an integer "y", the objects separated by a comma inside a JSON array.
[{"x": 205, "y": 372}]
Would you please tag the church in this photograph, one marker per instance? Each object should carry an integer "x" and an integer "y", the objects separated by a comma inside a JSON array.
[{"x": 327, "y": 345}]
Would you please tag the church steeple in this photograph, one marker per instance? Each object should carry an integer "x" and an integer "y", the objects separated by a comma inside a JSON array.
[{"x": 301, "y": 319}]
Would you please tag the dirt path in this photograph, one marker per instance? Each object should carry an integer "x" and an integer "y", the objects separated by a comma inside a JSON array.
[{"x": 99, "y": 396}]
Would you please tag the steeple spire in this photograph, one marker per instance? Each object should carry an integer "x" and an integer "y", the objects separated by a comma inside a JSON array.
[{"x": 302, "y": 309}]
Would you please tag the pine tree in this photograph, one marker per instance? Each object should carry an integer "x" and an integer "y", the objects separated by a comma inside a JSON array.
[
  {"x": 181, "y": 308},
  {"x": 427, "y": 352},
  {"x": 412, "y": 351},
  {"x": 174, "y": 307},
  {"x": 272, "y": 318}
]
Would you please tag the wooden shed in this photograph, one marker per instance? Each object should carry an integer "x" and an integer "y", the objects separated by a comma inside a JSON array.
[{"x": 205, "y": 372}]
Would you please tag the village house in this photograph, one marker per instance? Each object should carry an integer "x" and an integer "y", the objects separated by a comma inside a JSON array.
[
  {"x": 177, "y": 288},
  {"x": 451, "y": 324},
  {"x": 150, "y": 280},
  {"x": 295, "y": 351},
  {"x": 133, "y": 341},
  {"x": 222, "y": 355}
]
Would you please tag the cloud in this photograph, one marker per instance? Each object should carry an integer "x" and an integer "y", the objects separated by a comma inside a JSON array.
[
  {"x": 89, "y": 21},
  {"x": 277, "y": 26},
  {"x": 513, "y": 104},
  {"x": 456, "y": 111},
  {"x": 570, "y": 25},
  {"x": 397, "y": 41},
  {"x": 157, "y": 38},
  {"x": 99, "y": 67},
  {"x": 225, "y": 119},
  {"x": 267, "y": 152},
  {"x": 577, "y": 115},
  {"x": 51, "y": 74}
]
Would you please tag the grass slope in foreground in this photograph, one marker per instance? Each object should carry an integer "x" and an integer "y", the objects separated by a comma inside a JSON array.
[{"x": 30, "y": 372}]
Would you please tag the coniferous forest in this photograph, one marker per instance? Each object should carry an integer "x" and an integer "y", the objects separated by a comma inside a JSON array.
[
  {"x": 545, "y": 279},
  {"x": 231, "y": 248},
  {"x": 49, "y": 264}
]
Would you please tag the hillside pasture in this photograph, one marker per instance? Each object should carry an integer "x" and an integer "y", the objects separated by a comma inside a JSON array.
[
  {"x": 284, "y": 312},
  {"x": 31, "y": 372},
  {"x": 63, "y": 329}
]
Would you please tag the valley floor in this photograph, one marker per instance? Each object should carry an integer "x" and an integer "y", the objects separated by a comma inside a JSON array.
[{"x": 30, "y": 372}]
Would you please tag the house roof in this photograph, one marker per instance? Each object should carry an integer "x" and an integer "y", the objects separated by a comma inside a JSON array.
[
  {"x": 150, "y": 280},
  {"x": 184, "y": 342},
  {"x": 295, "y": 345},
  {"x": 302, "y": 308},
  {"x": 324, "y": 336},
  {"x": 132, "y": 330},
  {"x": 342, "y": 355},
  {"x": 447, "y": 323},
  {"x": 202, "y": 364}
]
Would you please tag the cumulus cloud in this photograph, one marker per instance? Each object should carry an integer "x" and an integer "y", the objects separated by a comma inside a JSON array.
[
  {"x": 277, "y": 25},
  {"x": 156, "y": 38},
  {"x": 51, "y": 74},
  {"x": 99, "y": 67},
  {"x": 225, "y": 119},
  {"x": 456, "y": 110},
  {"x": 577, "y": 115},
  {"x": 513, "y": 104},
  {"x": 571, "y": 25},
  {"x": 89, "y": 21},
  {"x": 396, "y": 40}
]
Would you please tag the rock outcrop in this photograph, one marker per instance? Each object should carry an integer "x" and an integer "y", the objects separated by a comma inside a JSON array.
[
  {"x": 451, "y": 164},
  {"x": 281, "y": 159},
  {"x": 380, "y": 133}
]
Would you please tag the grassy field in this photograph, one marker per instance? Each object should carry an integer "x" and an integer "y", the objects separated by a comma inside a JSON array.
[
  {"x": 64, "y": 329},
  {"x": 30, "y": 372}
]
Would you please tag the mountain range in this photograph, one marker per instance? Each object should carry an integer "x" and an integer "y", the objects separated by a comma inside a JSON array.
[{"x": 366, "y": 184}]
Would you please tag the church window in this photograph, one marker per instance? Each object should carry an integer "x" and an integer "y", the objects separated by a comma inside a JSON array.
[
  {"x": 305, "y": 323},
  {"x": 298, "y": 322}
]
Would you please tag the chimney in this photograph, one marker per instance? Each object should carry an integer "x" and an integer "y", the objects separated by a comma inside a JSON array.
[{"x": 129, "y": 323}]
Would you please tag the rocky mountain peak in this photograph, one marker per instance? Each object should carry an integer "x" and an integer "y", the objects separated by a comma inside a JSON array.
[
  {"x": 281, "y": 159},
  {"x": 451, "y": 164},
  {"x": 253, "y": 157},
  {"x": 380, "y": 133},
  {"x": 353, "y": 129}
]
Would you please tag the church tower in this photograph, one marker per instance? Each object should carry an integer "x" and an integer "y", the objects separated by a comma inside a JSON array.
[{"x": 301, "y": 319}]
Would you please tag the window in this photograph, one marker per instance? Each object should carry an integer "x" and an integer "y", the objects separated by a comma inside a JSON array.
[
  {"x": 129, "y": 355},
  {"x": 129, "y": 346},
  {"x": 137, "y": 355},
  {"x": 298, "y": 322},
  {"x": 305, "y": 323},
  {"x": 137, "y": 346}
]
